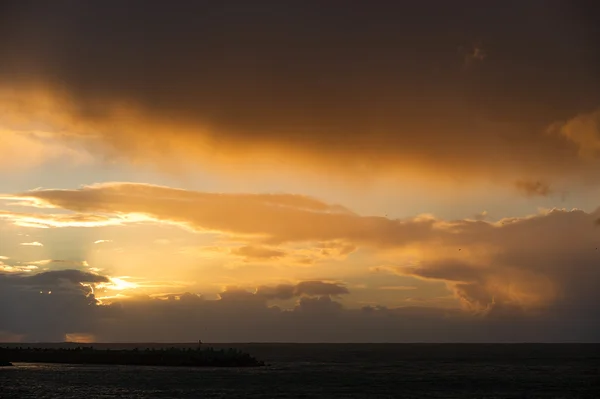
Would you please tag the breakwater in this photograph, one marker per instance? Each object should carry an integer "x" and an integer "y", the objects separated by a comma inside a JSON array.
[{"x": 185, "y": 357}]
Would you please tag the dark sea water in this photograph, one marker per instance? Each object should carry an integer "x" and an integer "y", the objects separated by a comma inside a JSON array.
[{"x": 334, "y": 371}]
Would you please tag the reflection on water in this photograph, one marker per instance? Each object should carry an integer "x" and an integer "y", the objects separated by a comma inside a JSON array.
[{"x": 328, "y": 371}]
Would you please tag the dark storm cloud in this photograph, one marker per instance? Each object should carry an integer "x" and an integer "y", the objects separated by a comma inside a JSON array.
[
  {"x": 46, "y": 306},
  {"x": 324, "y": 320},
  {"x": 242, "y": 316},
  {"x": 357, "y": 84},
  {"x": 49, "y": 305},
  {"x": 281, "y": 291},
  {"x": 69, "y": 280},
  {"x": 72, "y": 276}
]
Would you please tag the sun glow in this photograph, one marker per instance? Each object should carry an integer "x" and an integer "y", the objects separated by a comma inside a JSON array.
[{"x": 117, "y": 284}]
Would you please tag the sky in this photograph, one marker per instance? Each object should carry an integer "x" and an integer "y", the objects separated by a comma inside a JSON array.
[{"x": 299, "y": 171}]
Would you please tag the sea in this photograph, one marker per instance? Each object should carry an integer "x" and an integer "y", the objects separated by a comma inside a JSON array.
[{"x": 332, "y": 371}]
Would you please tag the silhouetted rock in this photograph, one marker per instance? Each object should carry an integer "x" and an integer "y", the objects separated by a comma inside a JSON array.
[{"x": 151, "y": 357}]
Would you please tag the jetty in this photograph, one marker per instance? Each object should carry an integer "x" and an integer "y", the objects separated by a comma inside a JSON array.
[{"x": 183, "y": 357}]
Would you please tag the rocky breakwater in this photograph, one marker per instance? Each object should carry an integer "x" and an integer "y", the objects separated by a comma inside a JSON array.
[{"x": 184, "y": 357}]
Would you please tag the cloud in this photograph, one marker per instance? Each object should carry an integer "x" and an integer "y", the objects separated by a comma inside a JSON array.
[
  {"x": 531, "y": 266},
  {"x": 318, "y": 305},
  {"x": 334, "y": 249},
  {"x": 79, "y": 338},
  {"x": 282, "y": 291},
  {"x": 32, "y": 244},
  {"x": 71, "y": 275},
  {"x": 531, "y": 188},
  {"x": 17, "y": 269},
  {"x": 397, "y": 288},
  {"x": 320, "y": 288},
  {"x": 44, "y": 221},
  {"x": 9, "y": 337},
  {"x": 22, "y": 150},
  {"x": 47, "y": 305},
  {"x": 481, "y": 216},
  {"x": 241, "y": 316},
  {"x": 309, "y": 288},
  {"x": 102, "y": 241},
  {"x": 276, "y": 218},
  {"x": 279, "y": 89},
  {"x": 234, "y": 85},
  {"x": 474, "y": 55},
  {"x": 542, "y": 265},
  {"x": 59, "y": 262},
  {"x": 52, "y": 305},
  {"x": 583, "y": 130},
  {"x": 519, "y": 262},
  {"x": 257, "y": 253}
]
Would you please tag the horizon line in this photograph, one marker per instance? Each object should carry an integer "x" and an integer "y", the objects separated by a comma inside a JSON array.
[{"x": 302, "y": 343}]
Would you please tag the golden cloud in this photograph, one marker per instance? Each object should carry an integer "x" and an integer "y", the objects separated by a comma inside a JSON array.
[
  {"x": 257, "y": 252},
  {"x": 126, "y": 129},
  {"x": 293, "y": 93},
  {"x": 259, "y": 215},
  {"x": 44, "y": 221},
  {"x": 583, "y": 130},
  {"x": 519, "y": 262},
  {"x": 27, "y": 149}
]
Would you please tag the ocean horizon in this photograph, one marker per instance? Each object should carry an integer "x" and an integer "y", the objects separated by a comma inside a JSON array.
[{"x": 302, "y": 370}]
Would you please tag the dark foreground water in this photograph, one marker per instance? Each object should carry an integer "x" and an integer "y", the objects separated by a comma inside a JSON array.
[{"x": 335, "y": 371}]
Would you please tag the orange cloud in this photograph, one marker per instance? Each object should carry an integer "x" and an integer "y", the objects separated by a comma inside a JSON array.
[
  {"x": 58, "y": 262},
  {"x": 258, "y": 215},
  {"x": 27, "y": 149},
  {"x": 298, "y": 93},
  {"x": 533, "y": 188},
  {"x": 583, "y": 130},
  {"x": 44, "y": 221},
  {"x": 83, "y": 338},
  {"x": 254, "y": 252},
  {"x": 17, "y": 269},
  {"x": 520, "y": 262},
  {"x": 122, "y": 130}
]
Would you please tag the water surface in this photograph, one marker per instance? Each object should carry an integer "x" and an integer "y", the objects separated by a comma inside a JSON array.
[{"x": 334, "y": 371}]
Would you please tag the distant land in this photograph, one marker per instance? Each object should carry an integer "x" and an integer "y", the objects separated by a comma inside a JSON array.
[
  {"x": 350, "y": 352},
  {"x": 170, "y": 356}
]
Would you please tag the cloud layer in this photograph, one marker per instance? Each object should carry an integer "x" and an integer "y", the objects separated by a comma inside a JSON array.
[
  {"x": 355, "y": 89},
  {"x": 65, "y": 307},
  {"x": 542, "y": 263},
  {"x": 277, "y": 89}
]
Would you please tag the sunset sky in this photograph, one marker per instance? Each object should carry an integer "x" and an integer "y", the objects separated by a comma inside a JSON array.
[{"x": 307, "y": 171}]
